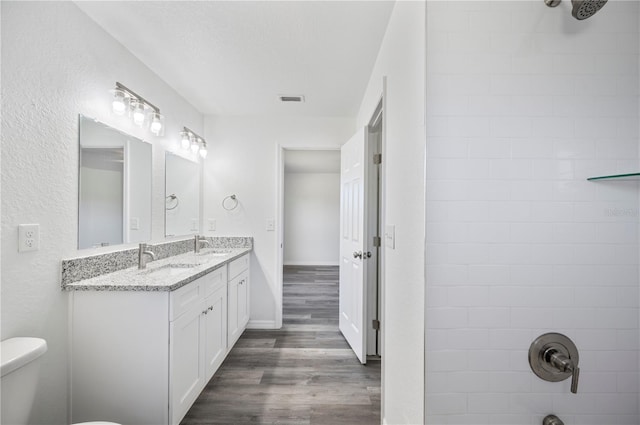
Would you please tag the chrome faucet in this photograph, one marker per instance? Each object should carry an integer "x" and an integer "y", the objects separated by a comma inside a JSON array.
[
  {"x": 143, "y": 251},
  {"x": 198, "y": 241}
]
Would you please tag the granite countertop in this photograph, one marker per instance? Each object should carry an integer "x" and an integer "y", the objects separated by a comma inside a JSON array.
[{"x": 167, "y": 274}]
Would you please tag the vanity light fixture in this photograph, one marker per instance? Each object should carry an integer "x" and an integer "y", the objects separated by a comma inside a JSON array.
[
  {"x": 190, "y": 140},
  {"x": 140, "y": 110}
]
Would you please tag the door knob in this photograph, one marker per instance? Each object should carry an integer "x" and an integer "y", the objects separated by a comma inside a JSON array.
[
  {"x": 357, "y": 254},
  {"x": 554, "y": 357}
]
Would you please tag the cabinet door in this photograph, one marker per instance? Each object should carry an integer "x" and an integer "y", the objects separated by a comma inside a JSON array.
[
  {"x": 243, "y": 300},
  {"x": 233, "y": 326},
  {"x": 187, "y": 361},
  {"x": 238, "y": 304},
  {"x": 215, "y": 328}
]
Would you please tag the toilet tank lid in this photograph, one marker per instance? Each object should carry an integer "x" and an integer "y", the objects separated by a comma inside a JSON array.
[{"x": 17, "y": 352}]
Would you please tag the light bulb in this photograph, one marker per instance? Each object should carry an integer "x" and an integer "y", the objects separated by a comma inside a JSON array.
[
  {"x": 203, "y": 150},
  {"x": 119, "y": 105},
  {"x": 195, "y": 146},
  {"x": 157, "y": 125},
  {"x": 185, "y": 141},
  {"x": 138, "y": 112}
]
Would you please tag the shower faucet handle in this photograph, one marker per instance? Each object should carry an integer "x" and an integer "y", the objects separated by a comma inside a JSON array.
[
  {"x": 563, "y": 363},
  {"x": 554, "y": 357}
]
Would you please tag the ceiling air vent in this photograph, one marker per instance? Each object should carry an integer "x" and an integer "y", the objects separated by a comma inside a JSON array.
[{"x": 289, "y": 98}]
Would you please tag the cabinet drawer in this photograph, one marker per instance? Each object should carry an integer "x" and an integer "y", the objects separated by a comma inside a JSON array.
[
  {"x": 185, "y": 298},
  {"x": 214, "y": 280},
  {"x": 238, "y": 266}
]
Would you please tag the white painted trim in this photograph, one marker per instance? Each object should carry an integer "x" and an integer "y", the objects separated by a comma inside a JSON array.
[
  {"x": 262, "y": 324},
  {"x": 311, "y": 263}
]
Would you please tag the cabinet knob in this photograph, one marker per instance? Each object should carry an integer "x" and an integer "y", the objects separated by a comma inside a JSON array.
[
  {"x": 210, "y": 308},
  {"x": 205, "y": 312}
]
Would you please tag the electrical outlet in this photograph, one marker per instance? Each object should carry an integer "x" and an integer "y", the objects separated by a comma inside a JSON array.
[
  {"x": 194, "y": 224},
  {"x": 212, "y": 224},
  {"x": 28, "y": 237},
  {"x": 134, "y": 223}
]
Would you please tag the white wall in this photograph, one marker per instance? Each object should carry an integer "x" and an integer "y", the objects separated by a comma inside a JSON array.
[
  {"x": 311, "y": 218},
  {"x": 524, "y": 103},
  {"x": 401, "y": 60},
  {"x": 243, "y": 160},
  {"x": 56, "y": 63}
]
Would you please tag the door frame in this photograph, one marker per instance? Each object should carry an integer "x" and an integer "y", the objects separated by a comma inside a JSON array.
[{"x": 279, "y": 240}]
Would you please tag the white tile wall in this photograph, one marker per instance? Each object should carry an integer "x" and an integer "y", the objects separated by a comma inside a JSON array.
[{"x": 523, "y": 104}]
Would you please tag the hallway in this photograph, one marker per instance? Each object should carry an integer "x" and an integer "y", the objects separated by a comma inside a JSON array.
[{"x": 304, "y": 373}]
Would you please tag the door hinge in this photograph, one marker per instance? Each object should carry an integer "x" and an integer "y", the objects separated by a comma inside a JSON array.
[
  {"x": 377, "y": 158},
  {"x": 377, "y": 241},
  {"x": 376, "y": 324}
]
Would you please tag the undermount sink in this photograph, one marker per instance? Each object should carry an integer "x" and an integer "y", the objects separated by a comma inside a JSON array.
[{"x": 171, "y": 269}]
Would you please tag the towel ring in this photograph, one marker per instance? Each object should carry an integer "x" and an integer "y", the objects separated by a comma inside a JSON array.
[
  {"x": 171, "y": 198},
  {"x": 226, "y": 205}
]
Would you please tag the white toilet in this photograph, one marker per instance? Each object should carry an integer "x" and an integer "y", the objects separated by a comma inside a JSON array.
[{"x": 19, "y": 369}]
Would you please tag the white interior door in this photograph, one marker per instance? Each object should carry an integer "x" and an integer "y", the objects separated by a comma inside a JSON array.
[{"x": 353, "y": 190}]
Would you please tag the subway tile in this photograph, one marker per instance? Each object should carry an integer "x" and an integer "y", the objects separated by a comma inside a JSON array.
[
  {"x": 440, "y": 404},
  {"x": 511, "y": 169},
  {"x": 570, "y": 233},
  {"x": 446, "y": 318},
  {"x": 597, "y": 382},
  {"x": 446, "y": 360},
  {"x": 488, "y": 317},
  {"x": 488, "y": 232},
  {"x": 527, "y": 403},
  {"x": 531, "y": 318},
  {"x": 596, "y": 297},
  {"x": 510, "y": 211},
  {"x": 628, "y": 382},
  {"x": 484, "y": 274},
  {"x": 527, "y": 190},
  {"x": 487, "y": 402},
  {"x": 510, "y": 382},
  {"x": 533, "y": 275},
  {"x": 468, "y": 339},
  {"x": 510, "y": 339},
  {"x": 468, "y": 296},
  {"x": 570, "y": 404}
]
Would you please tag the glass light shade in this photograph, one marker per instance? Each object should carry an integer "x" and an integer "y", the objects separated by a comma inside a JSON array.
[
  {"x": 203, "y": 150},
  {"x": 195, "y": 146},
  {"x": 138, "y": 112},
  {"x": 185, "y": 140},
  {"x": 157, "y": 124},
  {"x": 119, "y": 104}
]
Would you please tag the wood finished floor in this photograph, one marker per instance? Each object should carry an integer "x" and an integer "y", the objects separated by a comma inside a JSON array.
[{"x": 302, "y": 374}]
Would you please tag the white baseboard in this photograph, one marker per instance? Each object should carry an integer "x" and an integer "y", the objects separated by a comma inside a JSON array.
[
  {"x": 311, "y": 263},
  {"x": 261, "y": 324}
]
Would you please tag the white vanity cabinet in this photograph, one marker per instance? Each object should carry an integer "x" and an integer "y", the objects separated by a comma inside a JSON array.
[
  {"x": 197, "y": 339},
  {"x": 143, "y": 357},
  {"x": 238, "y": 298}
]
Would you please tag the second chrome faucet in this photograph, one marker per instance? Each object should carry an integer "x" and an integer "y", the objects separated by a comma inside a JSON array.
[
  {"x": 143, "y": 252},
  {"x": 198, "y": 241}
]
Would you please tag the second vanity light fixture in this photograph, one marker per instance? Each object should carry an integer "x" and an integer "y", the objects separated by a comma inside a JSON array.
[
  {"x": 141, "y": 111},
  {"x": 190, "y": 140}
]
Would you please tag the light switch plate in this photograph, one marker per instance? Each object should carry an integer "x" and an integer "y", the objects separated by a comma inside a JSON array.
[
  {"x": 134, "y": 223},
  {"x": 194, "y": 224},
  {"x": 212, "y": 224},
  {"x": 271, "y": 225},
  {"x": 390, "y": 236}
]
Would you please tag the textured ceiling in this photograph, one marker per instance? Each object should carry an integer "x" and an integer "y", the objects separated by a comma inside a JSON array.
[{"x": 236, "y": 57}]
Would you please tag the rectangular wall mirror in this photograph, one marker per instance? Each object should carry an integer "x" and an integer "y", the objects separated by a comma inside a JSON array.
[
  {"x": 182, "y": 196},
  {"x": 114, "y": 202}
]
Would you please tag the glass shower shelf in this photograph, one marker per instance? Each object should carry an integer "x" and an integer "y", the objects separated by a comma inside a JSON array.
[{"x": 629, "y": 176}]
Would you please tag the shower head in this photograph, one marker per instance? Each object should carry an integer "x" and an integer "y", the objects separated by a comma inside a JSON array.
[{"x": 583, "y": 9}]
